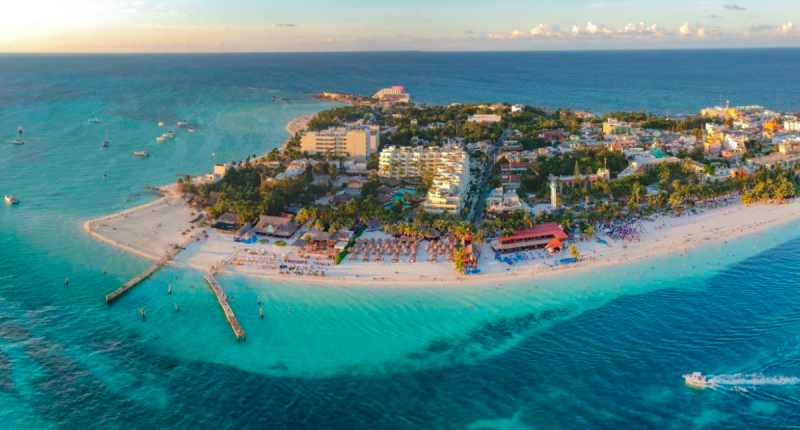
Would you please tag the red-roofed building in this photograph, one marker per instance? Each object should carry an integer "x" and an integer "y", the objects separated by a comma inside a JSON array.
[{"x": 536, "y": 237}]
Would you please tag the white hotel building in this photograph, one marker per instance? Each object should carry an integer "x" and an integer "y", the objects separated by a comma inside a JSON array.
[
  {"x": 450, "y": 183},
  {"x": 408, "y": 161}
]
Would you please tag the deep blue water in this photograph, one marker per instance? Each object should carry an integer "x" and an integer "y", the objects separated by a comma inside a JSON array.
[{"x": 581, "y": 351}]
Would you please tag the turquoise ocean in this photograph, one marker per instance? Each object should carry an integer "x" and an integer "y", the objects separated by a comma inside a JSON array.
[{"x": 601, "y": 349}]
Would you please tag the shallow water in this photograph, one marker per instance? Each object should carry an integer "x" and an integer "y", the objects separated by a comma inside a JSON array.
[{"x": 590, "y": 350}]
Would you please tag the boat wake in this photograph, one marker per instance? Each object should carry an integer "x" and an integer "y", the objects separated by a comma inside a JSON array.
[{"x": 752, "y": 380}]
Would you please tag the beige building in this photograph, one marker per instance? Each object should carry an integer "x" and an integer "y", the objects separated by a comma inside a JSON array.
[
  {"x": 349, "y": 143},
  {"x": 450, "y": 183}
]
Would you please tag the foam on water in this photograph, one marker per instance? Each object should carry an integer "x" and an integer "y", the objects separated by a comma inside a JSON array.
[{"x": 753, "y": 379}]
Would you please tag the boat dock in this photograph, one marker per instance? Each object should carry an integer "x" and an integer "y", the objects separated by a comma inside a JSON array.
[
  {"x": 135, "y": 281},
  {"x": 223, "y": 302},
  {"x": 152, "y": 269}
]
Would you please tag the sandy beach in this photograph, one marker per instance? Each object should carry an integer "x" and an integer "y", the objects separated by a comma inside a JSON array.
[
  {"x": 668, "y": 235},
  {"x": 299, "y": 124},
  {"x": 152, "y": 229},
  {"x": 149, "y": 230}
]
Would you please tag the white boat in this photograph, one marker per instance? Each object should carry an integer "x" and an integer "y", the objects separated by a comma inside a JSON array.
[
  {"x": 183, "y": 124},
  {"x": 141, "y": 154},
  {"x": 95, "y": 120},
  {"x": 191, "y": 130},
  {"x": 160, "y": 123},
  {"x": 11, "y": 200},
  {"x": 169, "y": 134},
  {"x": 697, "y": 380},
  {"x": 18, "y": 140},
  {"x": 161, "y": 139}
]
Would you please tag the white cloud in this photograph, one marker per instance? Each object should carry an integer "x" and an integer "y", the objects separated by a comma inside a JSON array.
[
  {"x": 576, "y": 29},
  {"x": 701, "y": 33},
  {"x": 685, "y": 29},
  {"x": 546, "y": 30},
  {"x": 785, "y": 29}
]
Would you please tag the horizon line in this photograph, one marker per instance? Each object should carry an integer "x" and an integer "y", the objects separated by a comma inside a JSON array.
[{"x": 405, "y": 51}]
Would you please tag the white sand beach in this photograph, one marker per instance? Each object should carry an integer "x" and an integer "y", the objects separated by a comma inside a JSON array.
[
  {"x": 149, "y": 230},
  {"x": 152, "y": 229},
  {"x": 299, "y": 124},
  {"x": 663, "y": 236}
]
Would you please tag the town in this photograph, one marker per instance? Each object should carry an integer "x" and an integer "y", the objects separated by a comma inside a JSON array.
[{"x": 383, "y": 186}]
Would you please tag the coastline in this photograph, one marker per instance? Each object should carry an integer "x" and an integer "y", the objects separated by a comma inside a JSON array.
[
  {"x": 149, "y": 230},
  {"x": 104, "y": 228},
  {"x": 676, "y": 236}
]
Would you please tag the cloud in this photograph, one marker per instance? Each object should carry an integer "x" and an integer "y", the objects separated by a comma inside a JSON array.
[
  {"x": 702, "y": 33},
  {"x": 469, "y": 32},
  {"x": 286, "y": 24},
  {"x": 685, "y": 29},
  {"x": 733, "y": 7},
  {"x": 785, "y": 29},
  {"x": 713, "y": 17},
  {"x": 545, "y": 30},
  {"x": 761, "y": 27}
]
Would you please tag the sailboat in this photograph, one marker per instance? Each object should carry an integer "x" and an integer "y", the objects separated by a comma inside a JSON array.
[
  {"x": 105, "y": 142},
  {"x": 18, "y": 140}
]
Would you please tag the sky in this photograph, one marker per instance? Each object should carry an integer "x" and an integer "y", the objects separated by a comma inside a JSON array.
[{"x": 124, "y": 26}]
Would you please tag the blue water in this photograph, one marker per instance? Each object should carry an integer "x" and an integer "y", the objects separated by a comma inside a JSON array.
[{"x": 593, "y": 350}]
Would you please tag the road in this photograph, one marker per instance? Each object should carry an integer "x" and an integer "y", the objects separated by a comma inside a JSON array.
[{"x": 476, "y": 214}]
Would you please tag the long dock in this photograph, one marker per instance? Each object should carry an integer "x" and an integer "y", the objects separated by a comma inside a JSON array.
[
  {"x": 223, "y": 302},
  {"x": 135, "y": 281},
  {"x": 152, "y": 269}
]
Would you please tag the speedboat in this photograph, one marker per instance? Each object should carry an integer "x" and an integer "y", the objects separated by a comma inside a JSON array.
[
  {"x": 161, "y": 139},
  {"x": 183, "y": 124},
  {"x": 95, "y": 120},
  {"x": 18, "y": 140},
  {"x": 141, "y": 154},
  {"x": 11, "y": 200},
  {"x": 697, "y": 380},
  {"x": 169, "y": 134},
  {"x": 191, "y": 130},
  {"x": 160, "y": 123}
]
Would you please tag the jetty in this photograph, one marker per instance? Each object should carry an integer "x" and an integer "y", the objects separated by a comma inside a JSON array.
[
  {"x": 152, "y": 269},
  {"x": 137, "y": 280},
  {"x": 226, "y": 308}
]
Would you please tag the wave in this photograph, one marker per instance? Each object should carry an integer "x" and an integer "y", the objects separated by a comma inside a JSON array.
[{"x": 753, "y": 379}]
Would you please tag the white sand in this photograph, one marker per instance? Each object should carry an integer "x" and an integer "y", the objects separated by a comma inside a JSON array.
[
  {"x": 299, "y": 124},
  {"x": 663, "y": 236},
  {"x": 148, "y": 230}
]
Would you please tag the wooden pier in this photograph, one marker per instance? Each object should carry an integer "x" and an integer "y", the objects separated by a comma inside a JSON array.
[
  {"x": 152, "y": 269},
  {"x": 135, "y": 281},
  {"x": 223, "y": 302}
]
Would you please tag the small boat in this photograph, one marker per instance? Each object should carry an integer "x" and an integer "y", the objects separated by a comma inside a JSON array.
[
  {"x": 169, "y": 289},
  {"x": 141, "y": 312},
  {"x": 105, "y": 176},
  {"x": 169, "y": 134},
  {"x": 11, "y": 200},
  {"x": 191, "y": 130},
  {"x": 18, "y": 140},
  {"x": 182, "y": 124},
  {"x": 104, "y": 270},
  {"x": 142, "y": 154},
  {"x": 697, "y": 380},
  {"x": 95, "y": 120},
  {"x": 105, "y": 142},
  {"x": 161, "y": 139},
  {"x": 66, "y": 281},
  {"x": 160, "y": 124},
  {"x": 176, "y": 307},
  {"x": 261, "y": 311}
]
